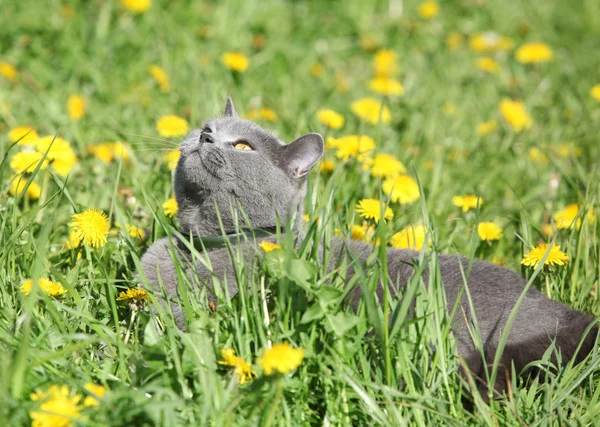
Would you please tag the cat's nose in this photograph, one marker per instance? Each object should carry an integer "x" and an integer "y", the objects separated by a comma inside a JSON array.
[{"x": 206, "y": 139}]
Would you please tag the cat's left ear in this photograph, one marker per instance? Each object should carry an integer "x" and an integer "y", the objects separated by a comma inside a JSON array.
[
  {"x": 229, "y": 108},
  {"x": 301, "y": 155}
]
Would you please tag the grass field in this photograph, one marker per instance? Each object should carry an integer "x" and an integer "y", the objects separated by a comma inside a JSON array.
[{"x": 80, "y": 71}]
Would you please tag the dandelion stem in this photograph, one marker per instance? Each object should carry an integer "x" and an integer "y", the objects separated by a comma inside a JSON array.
[
  {"x": 43, "y": 196},
  {"x": 263, "y": 295},
  {"x": 271, "y": 416}
]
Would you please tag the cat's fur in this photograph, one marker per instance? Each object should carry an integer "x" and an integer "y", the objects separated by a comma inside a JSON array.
[{"x": 269, "y": 184}]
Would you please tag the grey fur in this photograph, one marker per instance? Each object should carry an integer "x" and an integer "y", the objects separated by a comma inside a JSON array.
[
  {"x": 229, "y": 108},
  {"x": 269, "y": 184}
]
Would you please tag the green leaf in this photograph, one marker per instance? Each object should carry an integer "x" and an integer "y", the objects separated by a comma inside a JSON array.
[
  {"x": 341, "y": 323},
  {"x": 315, "y": 312}
]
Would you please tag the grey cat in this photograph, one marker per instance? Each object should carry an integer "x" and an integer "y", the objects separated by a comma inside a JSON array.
[{"x": 235, "y": 163}]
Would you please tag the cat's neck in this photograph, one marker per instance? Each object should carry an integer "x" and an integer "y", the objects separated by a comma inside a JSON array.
[{"x": 204, "y": 243}]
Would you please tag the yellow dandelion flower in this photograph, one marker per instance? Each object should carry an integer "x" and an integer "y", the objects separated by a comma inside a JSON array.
[
  {"x": 358, "y": 232},
  {"x": 371, "y": 209},
  {"x": 229, "y": 357},
  {"x": 133, "y": 295},
  {"x": 74, "y": 241},
  {"x": 252, "y": 114},
  {"x": 8, "y": 71},
  {"x": 62, "y": 165},
  {"x": 385, "y": 166},
  {"x": 244, "y": 372},
  {"x": 533, "y": 53},
  {"x": 489, "y": 231},
  {"x": 59, "y": 152},
  {"x": 317, "y": 70},
  {"x": 160, "y": 77},
  {"x": 54, "y": 145},
  {"x": 91, "y": 226},
  {"x": 59, "y": 407},
  {"x": 170, "y": 207},
  {"x": 429, "y": 9},
  {"x": 102, "y": 152},
  {"x": 401, "y": 189},
  {"x": 569, "y": 149},
  {"x": 595, "y": 92},
  {"x": 485, "y": 128},
  {"x": 235, "y": 61},
  {"x": 120, "y": 150},
  {"x": 27, "y": 161},
  {"x": 50, "y": 288},
  {"x": 565, "y": 218},
  {"x": 547, "y": 230},
  {"x": 243, "y": 369},
  {"x": 386, "y": 86},
  {"x": 411, "y": 237},
  {"x": 515, "y": 114},
  {"x": 498, "y": 261},
  {"x": 488, "y": 65},
  {"x": 24, "y": 134},
  {"x": 282, "y": 358},
  {"x": 171, "y": 126},
  {"x": 490, "y": 42},
  {"x": 536, "y": 254},
  {"x": 135, "y": 232},
  {"x": 76, "y": 107},
  {"x": 536, "y": 155},
  {"x": 330, "y": 119},
  {"x": 467, "y": 202},
  {"x": 386, "y": 63},
  {"x": 96, "y": 391},
  {"x": 18, "y": 184},
  {"x": 454, "y": 40},
  {"x": 136, "y": 6},
  {"x": 332, "y": 143},
  {"x": 262, "y": 113},
  {"x": 327, "y": 166},
  {"x": 172, "y": 157},
  {"x": 269, "y": 115},
  {"x": 371, "y": 111},
  {"x": 353, "y": 146},
  {"x": 268, "y": 246}
]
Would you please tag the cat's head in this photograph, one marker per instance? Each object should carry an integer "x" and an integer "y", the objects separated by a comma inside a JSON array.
[{"x": 231, "y": 163}]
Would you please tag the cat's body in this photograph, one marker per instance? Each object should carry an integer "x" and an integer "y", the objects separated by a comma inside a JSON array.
[{"x": 270, "y": 186}]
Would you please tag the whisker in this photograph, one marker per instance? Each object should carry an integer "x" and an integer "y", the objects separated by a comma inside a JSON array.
[
  {"x": 152, "y": 137},
  {"x": 151, "y": 149},
  {"x": 152, "y": 144}
]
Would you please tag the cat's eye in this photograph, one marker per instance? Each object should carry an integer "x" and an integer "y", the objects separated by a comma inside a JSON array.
[
  {"x": 206, "y": 130},
  {"x": 242, "y": 145}
]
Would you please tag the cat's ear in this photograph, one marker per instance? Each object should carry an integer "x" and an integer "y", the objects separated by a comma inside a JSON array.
[
  {"x": 229, "y": 108},
  {"x": 301, "y": 155}
]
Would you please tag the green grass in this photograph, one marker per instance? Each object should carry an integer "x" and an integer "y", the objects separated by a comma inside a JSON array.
[{"x": 356, "y": 370}]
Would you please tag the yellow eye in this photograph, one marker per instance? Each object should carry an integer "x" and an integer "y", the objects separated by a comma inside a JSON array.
[{"x": 242, "y": 146}]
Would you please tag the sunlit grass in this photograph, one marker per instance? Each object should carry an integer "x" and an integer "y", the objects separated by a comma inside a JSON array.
[{"x": 303, "y": 57}]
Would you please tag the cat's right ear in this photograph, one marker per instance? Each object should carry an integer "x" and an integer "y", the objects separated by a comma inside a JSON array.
[
  {"x": 229, "y": 108},
  {"x": 301, "y": 155}
]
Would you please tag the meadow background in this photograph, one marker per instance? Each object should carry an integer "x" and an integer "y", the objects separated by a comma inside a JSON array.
[{"x": 469, "y": 113}]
